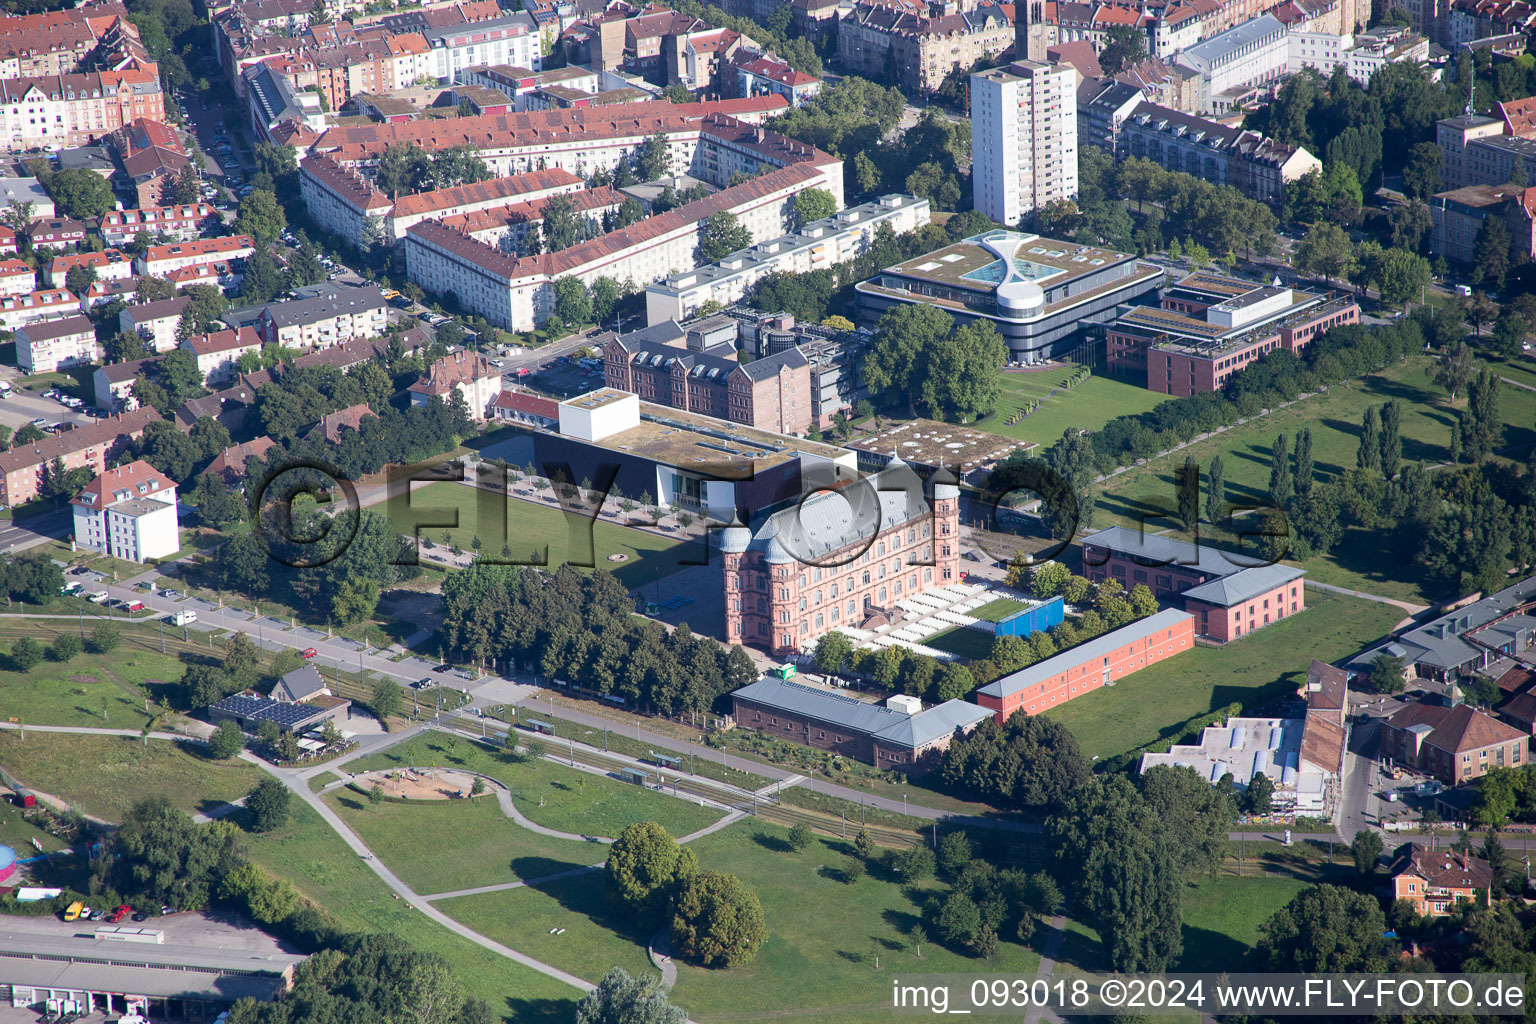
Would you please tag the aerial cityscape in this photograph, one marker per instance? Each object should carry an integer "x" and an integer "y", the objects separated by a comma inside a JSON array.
[{"x": 624, "y": 512}]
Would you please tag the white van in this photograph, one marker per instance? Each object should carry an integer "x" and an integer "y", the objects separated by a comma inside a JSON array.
[
  {"x": 182, "y": 618},
  {"x": 5, "y": 389}
]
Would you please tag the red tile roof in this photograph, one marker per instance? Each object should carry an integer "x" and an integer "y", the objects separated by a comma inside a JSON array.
[
  {"x": 532, "y": 405},
  {"x": 232, "y": 460},
  {"x": 1445, "y": 869},
  {"x": 137, "y": 479},
  {"x": 484, "y": 191},
  {"x": 352, "y": 416},
  {"x": 349, "y": 186},
  {"x": 1457, "y": 730},
  {"x": 225, "y": 341},
  {"x": 450, "y": 371},
  {"x": 95, "y": 434},
  {"x": 518, "y": 213},
  {"x": 199, "y": 247}
]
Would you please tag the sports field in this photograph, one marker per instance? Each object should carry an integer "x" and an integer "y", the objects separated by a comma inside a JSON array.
[{"x": 1088, "y": 406}]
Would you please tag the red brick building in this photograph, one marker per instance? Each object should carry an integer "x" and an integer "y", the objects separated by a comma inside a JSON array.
[
  {"x": 1102, "y": 661},
  {"x": 1454, "y": 744},
  {"x": 21, "y": 468},
  {"x": 838, "y": 558},
  {"x": 695, "y": 369},
  {"x": 896, "y": 735},
  {"x": 1249, "y": 599}
]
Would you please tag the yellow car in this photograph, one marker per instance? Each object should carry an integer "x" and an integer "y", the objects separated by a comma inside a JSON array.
[{"x": 73, "y": 913}]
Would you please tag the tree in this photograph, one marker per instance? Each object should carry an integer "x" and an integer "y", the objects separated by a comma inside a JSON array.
[
  {"x": 895, "y": 365},
  {"x": 241, "y": 564},
  {"x": 26, "y": 654},
  {"x": 387, "y": 702},
  {"x": 1482, "y": 430},
  {"x": 955, "y": 681},
  {"x": 1059, "y": 218},
  {"x": 105, "y": 638},
  {"x": 1303, "y": 468},
  {"x": 1366, "y": 849},
  {"x": 653, "y": 160},
  {"x": 160, "y": 855},
  {"x": 1490, "y": 250},
  {"x": 1402, "y": 276},
  {"x": 573, "y": 303},
  {"x": 1216, "y": 496},
  {"x": 1028, "y": 761},
  {"x": 954, "y": 853},
  {"x": 1385, "y": 674},
  {"x": 915, "y": 863},
  {"x": 227, "y": 741},
  {"x": 801, "y": 837},
  {"x": 65, "y": 646},
  {"x": 1421, "y": 174},
  {"x": 963, "y": 378},
  {"x": 1187, "y": 489},
  {"x": 833, "y": 649},
  {"x": 721, "y": 235},
  {"x": 261, "y": 217},
  {"x": 1324, "y": 928},
  {"x": 606, "y": 296},
  {"x": 1258, "y": 798},
  {"x": 79, "y": 279},
  {"x": 1479, "y": 310},
  {"x": 645, "y": 866},
  {"x": 863, "y": 844},
  {"x": 1391, "y": 439},
  {"x": 262, "y": 280},
  {"x": 621, "y": 999},
  {"x": 1509, "y": 334},
  {"x": 1455, "y": 368},
  {"x": 1047, "y": 579},
  {"x": 1124, "y": 45},
  {"x": 812, "y": 204},
  {"x": 718, "y": 921},
  {"x": 1325, "y": 250},
  {"x": 1281, "y": 485},
  {"x": 268, "y": 805},
  {"x": 81, "y": 194},
  {"x": 1368, "y": 454}
]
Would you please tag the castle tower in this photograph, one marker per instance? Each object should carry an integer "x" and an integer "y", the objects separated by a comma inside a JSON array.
[
  {"x": 946, "y": 526},
  {"x": 733, "y": 545}
]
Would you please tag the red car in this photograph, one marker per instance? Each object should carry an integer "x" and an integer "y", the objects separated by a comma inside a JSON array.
[
  {"x": 308, "y": 652},
  {"x": 121, "y": 912}
]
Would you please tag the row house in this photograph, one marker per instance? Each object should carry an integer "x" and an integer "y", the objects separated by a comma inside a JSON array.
[
  {"x": 44, "y": 304},
  {"x": 1258, "y": 167},
  {"x": 63, "y": 41},
  {"x": 48, "y": 345},
  {"x": 917, "y": 52},
  {"x": 70, "y": 110},
  {"x": 17, "y": 278},
  {"x": 87, "y": 446},
  {"x": 161, "y": 260},
  {"x": 162, "y": 223},
  {"x": 506, "y": 227},
  {"x": 56, "y": 233},
  {"x": 109, "y": 265}
]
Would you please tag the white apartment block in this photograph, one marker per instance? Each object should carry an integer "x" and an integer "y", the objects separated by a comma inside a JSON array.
[
  {"x": 44, "y": 304},
  {"x": 54, "y": 111},
  {"x": 1234, "y": 64},
  {"x": 109, "y": 264},
  {"x": 513, "y": 39},
  {"x": 333, "y": 318},
  {"x": 1322, "y": 51},
  {"x": 169, "y": 223},
  {"x": 518, "y": 293},
  {"x": 128, "y": 513},
  {"x": 160, "y": 260},
  {"x": 816, "y": 246},
  {"x": 217, "y": 353},
  {"x": 155, "y": 322},
  {"x": 49, "y": 344},
  {"x": 17, "y": 278},
  {"x": 1023, "y": 139}
]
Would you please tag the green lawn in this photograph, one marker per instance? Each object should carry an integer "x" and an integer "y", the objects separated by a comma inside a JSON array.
[
  {"x": 1222, "y": 916},
  {"x": 553, "y": 795},
  {"x": 311, "y": 856},
  {"x": 998, "y": 609},
  {"x": 102, "y": 690},
  {"x": 106, "y": 775},
  {"x": 1156, "y": 701},
  {"x": 1088, "y": 406},
  {"x": 443, "y": 845},
  {"x": 818, "y": 963},
  {"x": 1334, "y": 419},
  {"x": 970, "y": 644},
  {"x": 532, "y": 527},
  {"x": 17, "y": 833}
]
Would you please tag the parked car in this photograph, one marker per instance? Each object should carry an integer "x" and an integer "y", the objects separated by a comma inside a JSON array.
[
  {"x": 422, "y": 684},
  {"x": 73, "y": 911},
  {"x": 122, "y": 911},
  {"x": 136, "y": 606}
]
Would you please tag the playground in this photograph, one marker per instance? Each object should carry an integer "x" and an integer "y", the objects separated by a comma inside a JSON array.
[{"x": 419, "y": 783}]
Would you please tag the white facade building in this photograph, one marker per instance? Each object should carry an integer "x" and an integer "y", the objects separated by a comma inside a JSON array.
[
  {"x": 128, "y": 513},
  {"x": 218, "y": 353},
  {"x": 1023, "y": 139},
  {"x": 1322, "y": 51},
  {"x": 17, "y": 278},
  {"x": 160, "y": 260},
  {"x": 44, "y": 304},
  {"x": 155, "y": 322},
  {"x": 1235, "y": 63},
  {"x": 45, "y": 346}
]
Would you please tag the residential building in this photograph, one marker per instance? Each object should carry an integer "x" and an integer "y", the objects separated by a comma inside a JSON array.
[
  {"x": 1458, "y": 216},
  {"x": 520, "y": 83},
  {"x": 765, "y": 75},
  {"x": 1466, "y": 640},
  {"x": 814, "y": 246},
  {"x": 21, "y": 468},
  {"x": 1475, "y": 151},
  {"x": 329, "y": 319},
  {"x": 1102, "y": 661},
  {"x": 838, "y": 558},
  {"x": 231, "y": 407},
  {"x": 218, "y": 354},
  {"x": 1164, "y": 83},
  {"x": 162, "y": 223},
  {"x": 1469, "y": 21},
  {"x": 332, "y": 424},
  {"x": 462, "y": 373},
  {"x": 152, "y": 158},
  {"x": 155, "y": 322},
  {"x": 1383, "y": 45},
  {"x": 915, "y": 50},
  {"x": 696, "y": 369},
  {"x": 17, "y": 278},
  {"x": 1023, "y": 139},
  {"x": 113, "y": 383},
  {"x": 899, "y": 735},
  {"x": 57, "y": 41},
  {"x": 161, "y": 260},
  {"x": 48, "y": 303},
  {"x": 99, "y": 293},
  {"x": 1103, "y": 107},
  {"x": 1436, "y": 882},
  {"x": 231, "y": 461},
  {"x": 1235, "y": 64},
  {"x": 109, "y": 265},
  {"x": 48, "y": 345},
  {"x": 54, "y": 111},
  {"x": 222, "y": 274},
  {"x": 128, "y": 513},
  {"x": 56, "y": 233},
  {"x": 1454, "y": 744},
  {"x": 1258, "y": 167},
  {"x": 525, "y": 410},
  {"x": 14, "y": 191},
  {"x": 1210, "y": 327},
  {"x": 1037, "y": 292}
]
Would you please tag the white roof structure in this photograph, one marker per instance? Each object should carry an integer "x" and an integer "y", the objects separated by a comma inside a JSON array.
[{"x": 1246, "y": 747}]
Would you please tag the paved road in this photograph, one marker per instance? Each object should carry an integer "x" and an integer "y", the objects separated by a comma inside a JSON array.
[{"x": 33, "y": 531}]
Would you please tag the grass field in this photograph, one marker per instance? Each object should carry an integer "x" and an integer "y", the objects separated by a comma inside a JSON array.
[
  {"x": 311, "y": 856},
  {"x": 553, "y": 795},
  {"x": 1156, "y": 701},
  {"x": 824, "y": 935},
  {"x": 1088, "y": 406},
  {"x": 534, "y": 527},
  {"x": 998, "y": 609},
  {"x": 964, "y": 641},
  {"x": 106, "y": 775},
  {"x": 443, "y": 845},
  {"x": 1334, "y": 419},
  {"x": 18, "y": 833},
  {"x": 102, "y": 690}
]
